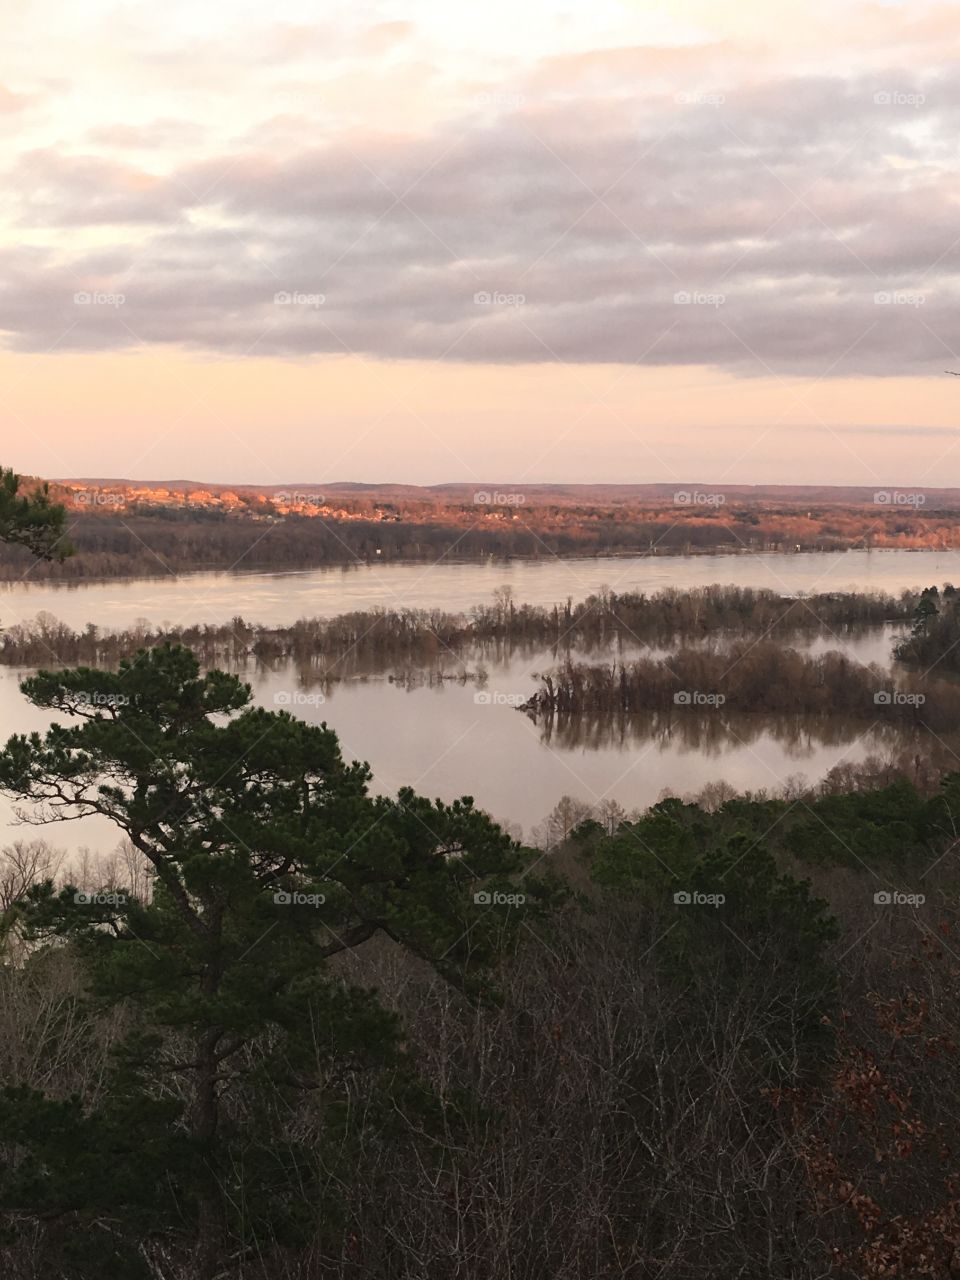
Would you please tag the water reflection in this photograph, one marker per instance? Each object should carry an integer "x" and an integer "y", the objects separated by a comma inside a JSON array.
[
  {"x": 711, "y": 733},
  {"x": 447, "y": 725},
  {"x": 518, "y": 662}
]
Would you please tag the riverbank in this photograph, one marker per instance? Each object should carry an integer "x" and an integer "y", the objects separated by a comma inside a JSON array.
[{"x": 113, "y": 544}]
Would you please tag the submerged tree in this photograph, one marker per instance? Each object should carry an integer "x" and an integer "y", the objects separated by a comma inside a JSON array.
[
  {"x": 269, "y": 859},
  {"x": 31, "y": 519}
]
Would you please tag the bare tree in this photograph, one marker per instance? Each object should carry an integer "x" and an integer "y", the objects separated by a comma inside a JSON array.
[
  {"x": 558, "y": 824},
  {"x": 23, "y": 863}
]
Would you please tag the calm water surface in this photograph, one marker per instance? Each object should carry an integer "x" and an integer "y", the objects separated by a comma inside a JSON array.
[
  {"x": 283, "y": 598},
  {"x": 438, "y": 737}
]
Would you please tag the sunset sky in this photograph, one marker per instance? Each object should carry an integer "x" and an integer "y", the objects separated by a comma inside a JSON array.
[{"x": 425, "y": 241}]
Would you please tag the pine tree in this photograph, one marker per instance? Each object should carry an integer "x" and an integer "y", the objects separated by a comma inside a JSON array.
[
  {"x": 32, "y": 520},
  {"x": 269, "y": 857}
]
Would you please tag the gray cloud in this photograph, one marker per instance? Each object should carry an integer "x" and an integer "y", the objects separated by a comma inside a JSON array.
[{"x": 811, "y": 224}]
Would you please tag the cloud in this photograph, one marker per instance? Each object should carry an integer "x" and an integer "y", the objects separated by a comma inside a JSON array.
[
  {"x": 792, "y": 226},
  {"x": 153, "y": 136},
  {"x": 11, "y": 102},
  {"x": 385, "y": 37},
  {"x": 88, "y": 191}
]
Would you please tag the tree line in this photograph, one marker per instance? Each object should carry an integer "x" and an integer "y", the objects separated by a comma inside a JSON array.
[
  {"x": 155, "y": 543},
  {"x": 422, "y": 634},
  {"x": 759, "y": 677},
  {"x": 141, "y": 545}
]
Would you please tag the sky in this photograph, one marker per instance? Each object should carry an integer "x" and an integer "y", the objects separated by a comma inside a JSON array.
[{"x": 430, "y": 241}]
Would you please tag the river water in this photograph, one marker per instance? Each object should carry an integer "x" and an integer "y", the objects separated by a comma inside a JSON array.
[
  {"x": 282, "y": 598},
  {"x": 456, "y": 736}
]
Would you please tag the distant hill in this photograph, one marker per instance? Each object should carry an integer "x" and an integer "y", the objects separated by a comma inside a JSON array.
[{"x": 564, "y": 494}]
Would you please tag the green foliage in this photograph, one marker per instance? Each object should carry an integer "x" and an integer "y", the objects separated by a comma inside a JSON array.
[
  {"x": 730, "y": 912},
  {"x": 32, "y": 520},
  {"x": 679, "y": 848},
  {"x": 651, "y": 853},
  {"x": 935, "y": 635},
  {"x": 768, "y": 921},
  {"x": 885, "y": 828},
  {"x": 888, "y": 827},
  {"x": 92, "y": 1176}
]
